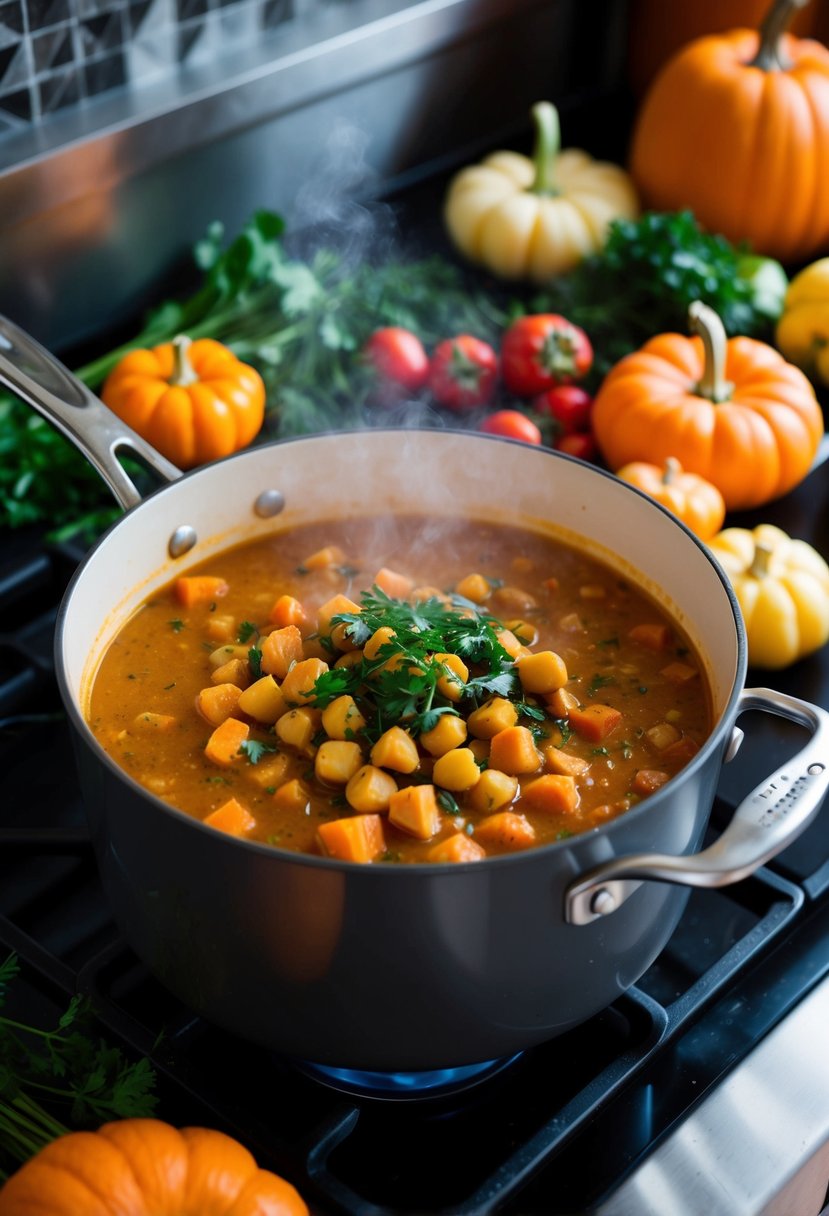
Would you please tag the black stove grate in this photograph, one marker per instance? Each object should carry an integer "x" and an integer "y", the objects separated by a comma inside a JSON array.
[{"x": 549, "y": 1133}]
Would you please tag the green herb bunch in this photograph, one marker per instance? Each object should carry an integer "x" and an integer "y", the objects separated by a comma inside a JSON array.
[
  {"x": 400, "y": 683},
  {"x": 648, "y": 273},
  {"x": 67, "y": 1073}
]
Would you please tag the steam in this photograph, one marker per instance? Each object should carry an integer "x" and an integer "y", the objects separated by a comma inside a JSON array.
[{"x": 335, "y": 207}]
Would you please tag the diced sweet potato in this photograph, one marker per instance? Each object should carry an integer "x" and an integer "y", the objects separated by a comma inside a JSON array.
[
  {"x": 542, "y": 671},
  {"x": 647, "y": 780},
  {"x": 199, "y": 589},
  {"x": 595, "y": 721},
  {"x": 415, "y": 810},
  {"x": 679, "y": 673},
  {"x": 558, "y": 761},
  {"x": 397, "y": 750},
  {"x": 287, "y": 610},
  {"x": 150, "y": 721},
  {"x": 223, "y": 745},
  {"x": 356, "y": 838},
  {"x": 654, "y": 636},
  {"x": 337, "y": 760},
  {"x": 513, "y": 751},
  {"x": 553, "y": 792},
  {"x": 370, "y": 790},
  {"x": 298, "y": 685},
  {"x": 506, "y": 830},
  {"x": 398, "y": 586},
  {"x": 459, "y": 847},
  {"x": 494, "y": 789},
  {"x": 232, "y": 818},
  {"x": 456, "y": 770}
]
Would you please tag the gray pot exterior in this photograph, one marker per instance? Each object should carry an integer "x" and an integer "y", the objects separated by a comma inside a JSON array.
[{"x": 383, "y": 967}]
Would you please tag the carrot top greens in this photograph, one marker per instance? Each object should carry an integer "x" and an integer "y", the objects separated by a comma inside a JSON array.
[{"x": 406, "y": 689}]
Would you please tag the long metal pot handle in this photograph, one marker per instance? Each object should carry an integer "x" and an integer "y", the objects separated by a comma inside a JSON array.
[
  {"x": 764, "y": 823},
  {"x": 43, "y": 382}
]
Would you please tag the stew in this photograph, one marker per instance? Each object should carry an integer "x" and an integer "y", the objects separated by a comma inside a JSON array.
[{"x": 413, "y": 689}]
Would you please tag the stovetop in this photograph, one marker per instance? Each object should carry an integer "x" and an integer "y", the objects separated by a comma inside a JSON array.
[{"x": 702, "y": 1089}]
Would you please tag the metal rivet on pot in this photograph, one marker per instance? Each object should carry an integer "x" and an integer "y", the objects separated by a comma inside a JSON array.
[
  {"x": 815, "y": 769},
  {"x": 182, "y": 541},
  {"x": 269, "y": 502},
  {"x": 602, "y": 903},
  {"x": 734, "y": 742}
]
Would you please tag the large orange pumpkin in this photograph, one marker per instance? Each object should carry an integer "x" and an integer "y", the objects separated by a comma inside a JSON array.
[
  {"x": 731, "y": 410},
  {"x": 144, "y": 1167},
  {"x": 735, "y": 128}
]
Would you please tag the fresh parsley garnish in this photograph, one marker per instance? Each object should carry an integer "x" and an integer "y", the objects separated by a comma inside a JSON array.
[
  {"x": 255, "y": 749},
  {"x": 255, "y": 660},
  {"x": 599, "y": 681},
  {"x": 176, "y": 625},
  {"x": 246, "y": 631}
]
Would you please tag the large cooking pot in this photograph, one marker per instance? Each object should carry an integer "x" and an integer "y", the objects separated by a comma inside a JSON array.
[{"x": 414, "y": 967}]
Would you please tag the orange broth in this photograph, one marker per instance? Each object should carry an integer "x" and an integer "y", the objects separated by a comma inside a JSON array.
[{"x": 561, "y": 697}]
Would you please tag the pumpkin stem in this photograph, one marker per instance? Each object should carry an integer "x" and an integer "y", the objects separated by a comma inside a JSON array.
[
  {"x": 759, "y": 567},
  {"x": 705, "y": 322},
  {"x": 183, "y": 373},
  {"x": 671, "y": 470},
  {"x": 547, "y": 145},
  {"x": 769, "y": 57}
]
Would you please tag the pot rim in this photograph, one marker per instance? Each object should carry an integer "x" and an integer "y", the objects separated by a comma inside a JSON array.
[{"x": 652, "y": 804}]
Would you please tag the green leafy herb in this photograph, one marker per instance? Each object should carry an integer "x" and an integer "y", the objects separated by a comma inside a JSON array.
[
  {"x": 255, "y": 660},
  {"x": 246, "y": 631},
  {"x": 400, "y": 683},
  {"x": 83, "y": 1080},
  {"x": 598, "y": 681},
  {"x": 255, "y": 749},
  {"x": 447, "y": 802},
  {"x": 648, "y": 273},
  {"x": 176, "y": 626}
]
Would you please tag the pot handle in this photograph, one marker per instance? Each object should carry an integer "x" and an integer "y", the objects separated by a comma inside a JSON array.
[
  {"x": 43, "y": 382},
  {"x": 764, "y": 823}
]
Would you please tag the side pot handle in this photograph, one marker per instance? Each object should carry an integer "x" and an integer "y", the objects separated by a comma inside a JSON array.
[
  {"x": 764, "y": 823},
  {"x": 43, "y": 382}
]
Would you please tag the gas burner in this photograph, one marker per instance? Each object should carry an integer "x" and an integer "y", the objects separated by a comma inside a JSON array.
[{"x": 405, "y": 1086}]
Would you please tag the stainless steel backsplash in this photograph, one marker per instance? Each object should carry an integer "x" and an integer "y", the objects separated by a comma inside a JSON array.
[{"x": 100, "y": 205}]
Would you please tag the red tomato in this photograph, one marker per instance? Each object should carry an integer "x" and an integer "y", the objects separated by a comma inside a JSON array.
[
  {"x": 463, "y": 372},
  {"x": 580, "y": 444},
  {"x": 513, "y": 425},
  {"x": 568, "y": 405},
  {"x": 542, "y": 350},
  {"x": 399, "y": 361}
]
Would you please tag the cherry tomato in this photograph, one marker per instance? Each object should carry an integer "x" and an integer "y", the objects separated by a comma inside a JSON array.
[
  {"x": 580, "y": 444},
  {"x": 400, "y": 363},
  {"x": 568, "y": 405},
  {"x": 512, "y": 424},
  {"x": 541, "y": 351},
  {"x": 463, "y": 373}
]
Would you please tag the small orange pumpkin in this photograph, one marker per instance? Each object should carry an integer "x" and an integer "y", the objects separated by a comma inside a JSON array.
[
  {"x": 732, "y": 410},
  {"x": 193, "y": 401},
  {"x": 697, "y": 502},
  {"x": 133, "y": 1167},
  {"x": 735, "y": 128}
]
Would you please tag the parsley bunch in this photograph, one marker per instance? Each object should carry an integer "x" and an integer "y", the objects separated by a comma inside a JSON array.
[
  {"x": 407, "y": 691},
  {"x": 67, "y": 1068},
  {"x": 648, "y": 273}
]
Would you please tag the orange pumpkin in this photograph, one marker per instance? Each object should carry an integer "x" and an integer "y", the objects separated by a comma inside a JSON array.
[
  {"x": 735, "y": 128},
  {"x": 697, "y": 502},
  {"x": 732, "y": 410},
  {"x": 193, "y": 401},
  {"x": 144, "y": 1167}
]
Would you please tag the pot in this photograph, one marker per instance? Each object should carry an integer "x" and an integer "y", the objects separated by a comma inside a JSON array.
[{"x": 419, "y": 967}]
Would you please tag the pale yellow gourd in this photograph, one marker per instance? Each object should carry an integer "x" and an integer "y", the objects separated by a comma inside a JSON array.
[
  {"x": 534, "y": 218},
  {"x": 802, "y": 333},
  {"x": 782, "y": 586}
]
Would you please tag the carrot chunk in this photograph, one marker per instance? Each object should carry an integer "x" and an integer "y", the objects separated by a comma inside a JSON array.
[
  {"x": 356, "y": 838},
  {"x": 199, "y": 589},
  {"x": 459, "y": 847},
  {"x": 654, "y": 636},
  {"x": 507, "y": 830},
  {"x": 595, "y": 721},
  {"x": 679, "y": 673},
  {"x": 231, "y": 817},
  {"x": 398, "y": 586},
  {"x": 223, "y": 745},
  {"x": 287, "y": 611},
  {"x": 647, "y": 780},
  {"x": 554, "y": 792}
]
